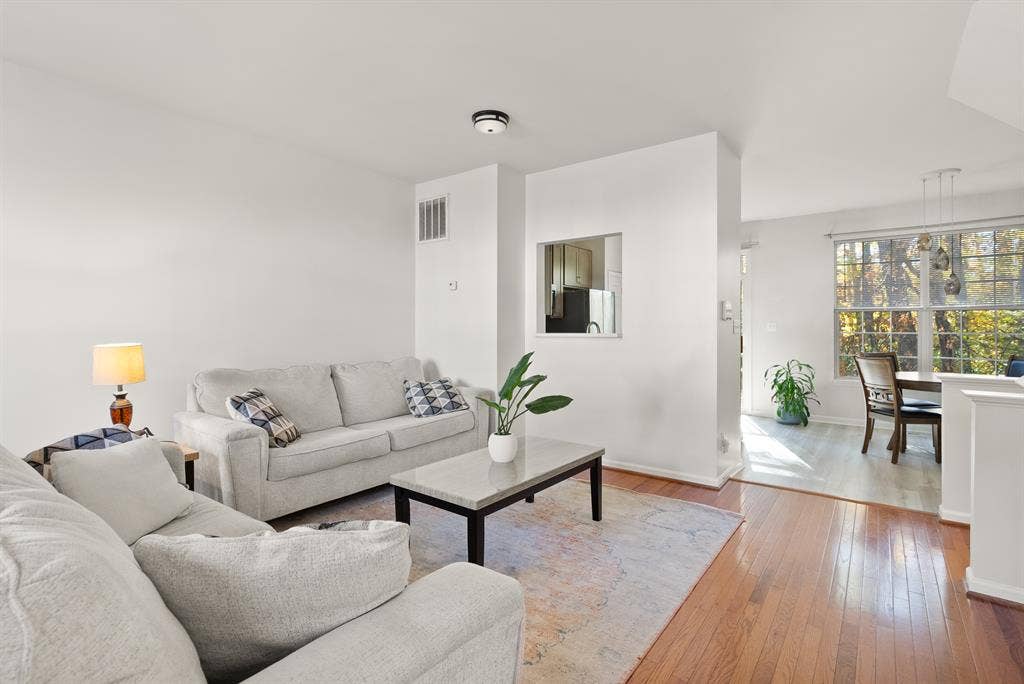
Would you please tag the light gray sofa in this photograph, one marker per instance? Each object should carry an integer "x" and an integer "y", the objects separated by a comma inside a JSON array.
[
  {"x": 76, "y": 607},
  {"x": 356, "y": 432}
]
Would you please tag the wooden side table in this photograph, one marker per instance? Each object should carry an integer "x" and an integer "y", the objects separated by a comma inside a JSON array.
[{"x": 191, "y": 456}]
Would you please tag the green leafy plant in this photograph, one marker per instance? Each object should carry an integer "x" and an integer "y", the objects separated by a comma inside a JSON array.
[
  {"x": 516, "y": 391},
  {"x": 792, "y": 387}
]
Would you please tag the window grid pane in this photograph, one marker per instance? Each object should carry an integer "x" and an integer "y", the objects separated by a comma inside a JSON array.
[{"x": 876, "y": 331}]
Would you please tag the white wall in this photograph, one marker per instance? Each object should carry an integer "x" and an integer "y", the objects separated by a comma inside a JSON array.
[
  {"x": 728, "y": 362},
  {"x": 511, "y": 285},
  {"x": 210, "y": 246},
  {"x": 456, "y": 330},
  {"x": 474, "y": 333},
  {"x": 650, "y": 397},
  {"x": 791, "y": 281}
]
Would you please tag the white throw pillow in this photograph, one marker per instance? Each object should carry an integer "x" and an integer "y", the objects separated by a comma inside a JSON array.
[
  {"x": 131, "y": 486},
  {"x": 249, "y": 601}
]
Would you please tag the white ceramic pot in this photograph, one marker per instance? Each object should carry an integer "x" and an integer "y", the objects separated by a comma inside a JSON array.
[{"x": 503, "y": 447}]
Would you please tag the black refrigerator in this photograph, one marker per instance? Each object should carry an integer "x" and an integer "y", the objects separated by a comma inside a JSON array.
[{"x": 575, "y": 313}]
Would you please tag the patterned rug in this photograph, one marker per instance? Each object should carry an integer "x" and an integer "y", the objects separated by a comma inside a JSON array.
[{"x": 597, "y": 593}]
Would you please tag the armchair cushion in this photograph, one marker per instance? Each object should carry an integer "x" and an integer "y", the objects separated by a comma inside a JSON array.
[
  {"x": 131, "y": 486},
  {"x": 249, "y": 601},
  {"x": 77, "y": 606},
  {"x": 462, "y": 623},
  {"x": 408, "y": 431},
  {"x": 326, "y": 449},
  {"x": 303, "y": 393},
  {"x": 213, "y": 519}
]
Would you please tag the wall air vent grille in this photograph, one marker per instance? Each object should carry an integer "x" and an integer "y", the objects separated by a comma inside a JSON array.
[{"x": 433, "y": 219}]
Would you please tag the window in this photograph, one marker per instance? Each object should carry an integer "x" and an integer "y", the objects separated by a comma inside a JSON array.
[
  {"x": 977, "y": 330},
  {"x": 878, "y": 294},
  {"x": 879, "y": 305}
]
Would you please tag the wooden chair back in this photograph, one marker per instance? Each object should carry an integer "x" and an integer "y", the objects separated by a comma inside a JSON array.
[
  {"x": 884, "y": 355},
  {"x": 878, "y": 378}
]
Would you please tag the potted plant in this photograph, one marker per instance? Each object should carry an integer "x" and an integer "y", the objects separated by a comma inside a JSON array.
[
  {"x": 792, "y": 387},
  {"x": 510, "y": 405}
]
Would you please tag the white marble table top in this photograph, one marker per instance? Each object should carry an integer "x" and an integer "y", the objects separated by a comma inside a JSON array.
[{"x": 474, "y": 481}]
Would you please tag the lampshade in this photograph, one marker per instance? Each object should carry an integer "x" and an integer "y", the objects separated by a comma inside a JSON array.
[{"x": 117, "y": 364}]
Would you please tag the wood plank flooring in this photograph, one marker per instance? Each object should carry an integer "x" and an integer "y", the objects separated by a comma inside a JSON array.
[{"x": 812, "y": 588}]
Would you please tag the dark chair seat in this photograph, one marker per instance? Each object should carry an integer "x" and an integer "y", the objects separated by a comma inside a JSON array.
[
  {"x": 921, "y": 403},
  {"x": 918, "y": 412}
]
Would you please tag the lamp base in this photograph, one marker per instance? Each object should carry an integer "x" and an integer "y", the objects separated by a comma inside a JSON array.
[{"x": 121, "y": 409}]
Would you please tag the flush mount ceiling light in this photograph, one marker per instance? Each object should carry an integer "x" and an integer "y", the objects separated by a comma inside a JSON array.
[{"x": 490, "y": 121}]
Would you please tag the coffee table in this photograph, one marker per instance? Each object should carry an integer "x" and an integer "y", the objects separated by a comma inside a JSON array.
[{"x": 474, "y": 486}]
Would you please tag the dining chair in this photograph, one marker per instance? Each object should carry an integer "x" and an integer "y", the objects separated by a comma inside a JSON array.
[
  {"x": 907, "y": 401},
  {"x": 883, "y": 397},
  {"x": 1015, "y": 367}
]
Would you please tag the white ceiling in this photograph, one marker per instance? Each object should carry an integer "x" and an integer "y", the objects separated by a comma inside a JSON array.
[{"x": 832, "y": 105}]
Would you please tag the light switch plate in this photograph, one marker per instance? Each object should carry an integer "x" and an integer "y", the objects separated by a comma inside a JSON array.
[{"x": 453, "y": 284}]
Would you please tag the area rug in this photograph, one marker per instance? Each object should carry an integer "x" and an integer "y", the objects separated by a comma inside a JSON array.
[{"x": 597, "y": 593}]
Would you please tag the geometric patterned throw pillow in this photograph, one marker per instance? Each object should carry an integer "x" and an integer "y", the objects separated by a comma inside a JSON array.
[
  {"x": 101, "y": 438},
  {"x": 255, "y": 407},
  {"x": 432, "y": 398}
]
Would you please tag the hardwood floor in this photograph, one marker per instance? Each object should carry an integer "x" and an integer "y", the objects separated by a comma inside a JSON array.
[{"x": 812, "y": 588}]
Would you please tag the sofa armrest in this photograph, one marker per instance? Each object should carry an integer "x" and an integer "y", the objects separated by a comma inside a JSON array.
[
  {"x": 462, "y": 623},
  {"x": 483, "y": 411},
  {"x": 233, "y": 458}
]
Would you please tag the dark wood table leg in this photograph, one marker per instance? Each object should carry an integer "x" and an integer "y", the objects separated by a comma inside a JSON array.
[
  {"x": 529, "y": 499},
  {"x": 401, "y": 505},
  {"x": 475, "y": 530},
  {"x": 190, "y": 475},
  {"x": 595, "y": 489}
]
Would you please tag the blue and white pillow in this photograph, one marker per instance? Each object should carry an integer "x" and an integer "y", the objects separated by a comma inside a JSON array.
[
  {"x": 433, "y": 398},
  {"x": 255, "y": 407}
]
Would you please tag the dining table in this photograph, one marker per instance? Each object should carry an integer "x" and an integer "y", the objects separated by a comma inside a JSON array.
[{"x": 922, "y": 381}]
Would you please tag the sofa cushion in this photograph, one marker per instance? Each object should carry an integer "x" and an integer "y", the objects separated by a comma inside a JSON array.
[
  {"x": 249, "y": 601},
  {"x": 373, "y": 390},
  {"x": 130, "y": 485},
  {"x": 213, "y": 519},
  {"x": 326, "y": 449},
  {"x": 408, "y": 431},
  {"x": 80, "y": 609},
  {"x": 303, "y": 393}
]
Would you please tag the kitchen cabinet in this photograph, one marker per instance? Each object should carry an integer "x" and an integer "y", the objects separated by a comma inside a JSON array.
[{"x": 578, "y": 267}]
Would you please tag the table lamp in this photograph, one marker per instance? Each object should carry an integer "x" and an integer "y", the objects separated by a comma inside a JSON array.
[{"x": 118, "y": 364}]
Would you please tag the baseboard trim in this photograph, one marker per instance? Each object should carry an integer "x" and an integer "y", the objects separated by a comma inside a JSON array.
[
  {"x": 831, "y": 420},
  {"x": 667, "y": 474},
  {"x": 954, "y": 517},
  {"x": 996, "y": 591}
]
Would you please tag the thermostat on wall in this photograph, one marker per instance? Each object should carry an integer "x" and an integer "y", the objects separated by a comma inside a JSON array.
[{"x": 726, "y": 311}]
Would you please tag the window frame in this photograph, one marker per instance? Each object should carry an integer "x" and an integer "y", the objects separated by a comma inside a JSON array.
[{"x": 925, "y": 310}]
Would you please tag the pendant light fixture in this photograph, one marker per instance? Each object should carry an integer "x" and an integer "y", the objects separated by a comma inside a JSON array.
[
  {"x": 952, "y": 285},
  {"x": 940, "y": 259}
]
